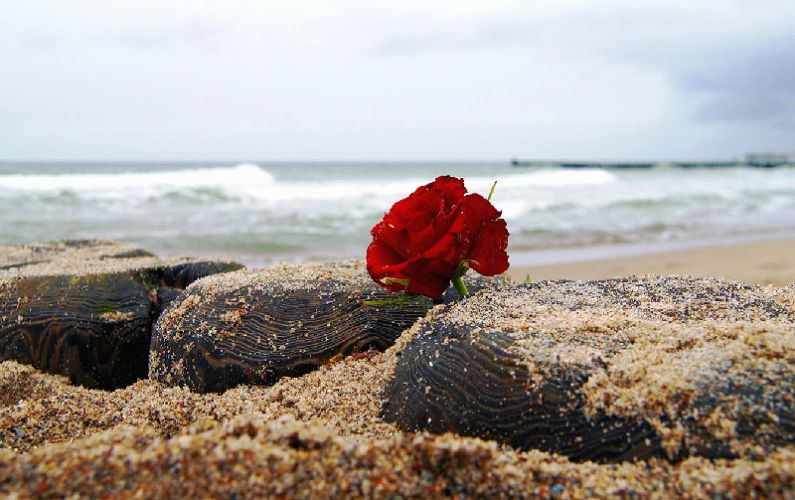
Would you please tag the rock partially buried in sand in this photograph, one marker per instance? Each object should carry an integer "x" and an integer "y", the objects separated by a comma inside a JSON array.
[
  {"x": 19, "y": 256},
  {"x": 607, "y": 370},
  {"x": 253, "y": 327},
  {"x": 85, "y": 308}
]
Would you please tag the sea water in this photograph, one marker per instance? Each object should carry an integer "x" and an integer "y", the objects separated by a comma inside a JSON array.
[{"x": 267, "y": 212}]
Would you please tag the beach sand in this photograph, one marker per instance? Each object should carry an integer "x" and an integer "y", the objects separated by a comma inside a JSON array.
[
  {"x": 764, "y": 262},
  {"x": 322, "y": 434}
]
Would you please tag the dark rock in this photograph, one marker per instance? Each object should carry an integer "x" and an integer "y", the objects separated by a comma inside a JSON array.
[
  {"x": 85, "y": 308},
  {"x": 607, "y": 370},
  {"x": 253, "y": 327}
]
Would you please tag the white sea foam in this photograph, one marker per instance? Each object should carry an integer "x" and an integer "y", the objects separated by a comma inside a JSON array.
[
  {"x": 547, "y": 178},
  {"x": 378, "y": 192},
  {"x": 250, "y": 183},
  {"x": 136, "y": 184}
]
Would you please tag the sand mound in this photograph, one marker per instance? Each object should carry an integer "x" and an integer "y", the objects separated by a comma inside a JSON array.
[{"x": 251, "y": 457}]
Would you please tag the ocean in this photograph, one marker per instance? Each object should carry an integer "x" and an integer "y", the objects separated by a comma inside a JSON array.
[{"x": 269, "y": 212}]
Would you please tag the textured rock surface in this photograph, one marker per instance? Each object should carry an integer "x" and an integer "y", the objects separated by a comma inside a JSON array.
[
  {"x": 85, "y": 308},
  {"x": 607, "y": 370},
  {"x": 252, "y": 327}
]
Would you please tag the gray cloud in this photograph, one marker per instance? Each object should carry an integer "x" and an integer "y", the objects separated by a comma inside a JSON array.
[
  {"x": 742, "y": 80},
  {"x": 465, "y": 79},
  {"x": 731, "y": 67},
  {"x": 727, "y": 61},
  {"x": 745, "y": 65},
  {"x": 741, "y": 106}
]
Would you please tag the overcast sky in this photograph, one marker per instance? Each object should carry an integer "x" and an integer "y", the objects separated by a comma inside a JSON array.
[{"x": 400, "y": 80}]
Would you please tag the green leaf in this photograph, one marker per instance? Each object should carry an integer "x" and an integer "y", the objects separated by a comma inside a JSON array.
[
  {"x": 492, "y": 191},
  {"x": 400, "y": 300},
  {"x": 399, "y": 281}
]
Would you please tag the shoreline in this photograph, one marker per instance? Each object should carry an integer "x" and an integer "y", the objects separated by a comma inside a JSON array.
[
  {"x": 765, "y": 262},
  {"x": 764, "y": 259}
]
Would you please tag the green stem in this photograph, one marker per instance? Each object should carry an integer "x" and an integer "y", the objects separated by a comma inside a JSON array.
[{"x": 460, "y": 287}]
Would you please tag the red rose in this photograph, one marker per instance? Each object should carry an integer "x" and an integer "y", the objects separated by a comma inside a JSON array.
[{"x": 422, "y": 240}]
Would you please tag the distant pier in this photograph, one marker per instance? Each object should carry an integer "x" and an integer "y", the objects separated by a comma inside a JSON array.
[
  {"x": 708, "y": 164},
  {"x": 617, "y": 164},
  {"x": 769, "y": 160},
  {"x": 753, "y": 160}
]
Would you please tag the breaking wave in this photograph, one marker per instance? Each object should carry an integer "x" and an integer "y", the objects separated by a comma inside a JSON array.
[{"x": 140, "y": 184}]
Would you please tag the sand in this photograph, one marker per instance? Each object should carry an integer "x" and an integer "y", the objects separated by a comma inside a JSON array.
[
  {"x": 318, "y": 435},
  {"x": 765, "y": 262},
  {"x": 85, "y": 257}
]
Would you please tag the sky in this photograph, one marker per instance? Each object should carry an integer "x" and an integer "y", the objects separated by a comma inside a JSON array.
[{"x": 387, "y": 80}]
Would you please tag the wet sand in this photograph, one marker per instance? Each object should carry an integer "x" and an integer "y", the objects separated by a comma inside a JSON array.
[{"x": 765, "y": 262}]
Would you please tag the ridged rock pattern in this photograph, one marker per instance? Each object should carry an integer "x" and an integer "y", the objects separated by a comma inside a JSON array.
[
  {"x": 253, "y": 327},
  {"x": 607, "y": 370},
  {"x": 85, "y": 308}
]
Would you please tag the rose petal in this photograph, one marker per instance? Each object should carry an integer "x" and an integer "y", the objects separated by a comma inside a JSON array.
[
  {"x": 490, "y": 249},
  {"x": 430, "y": 277},
  {"x": 452, "y": 188}
]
